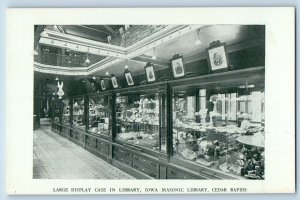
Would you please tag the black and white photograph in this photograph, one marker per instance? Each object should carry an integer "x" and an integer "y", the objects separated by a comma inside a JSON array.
[
  {"x": 128, "y": 77},
  {"x": 106, "y": 106},
  {"x": 102, "y": 84},
  {"x": 149, "y": 70},
  {"x": 217, "y": 56},
  {"x": 220, "y": 132},
  {"x": 177, "y": 67},
  {"x": 114, "y": 82}
]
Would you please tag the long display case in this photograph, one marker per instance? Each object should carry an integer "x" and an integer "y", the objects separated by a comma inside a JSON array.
[{"x": 205, "y": 127}]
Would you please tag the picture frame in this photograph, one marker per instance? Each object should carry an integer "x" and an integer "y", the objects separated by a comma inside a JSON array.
[
  {"x": 128, "y": 78},
  {"x": 217, "y": 57},
  {"x": 150, "y": 73},
  {"x": 178, "y": 69},
  {"x": 102, "y": 83},
  {"x": 114, "y": 81}
]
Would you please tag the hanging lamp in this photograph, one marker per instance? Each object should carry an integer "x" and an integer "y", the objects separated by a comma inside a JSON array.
[
  {"x": 198, "y": 41},
  {"x": 87, "y": 61},
  {"x": 154, "y": 56}
]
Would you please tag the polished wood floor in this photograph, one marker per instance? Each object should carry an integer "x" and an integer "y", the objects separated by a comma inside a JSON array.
[{"x": 55, "y": 157}]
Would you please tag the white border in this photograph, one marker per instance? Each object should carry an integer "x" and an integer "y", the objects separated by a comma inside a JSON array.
[{"x": 280, "y": 90}]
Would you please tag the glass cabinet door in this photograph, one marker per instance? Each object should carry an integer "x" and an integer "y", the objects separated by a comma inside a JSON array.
[
  {"x": 66, "y": 111},
  {"x": 220, "y": 128},
  {"x": 141, "y": 120},
  {"x": 100, "y": 118},
  {"x": 79, "y": 119},
  {"x": 56, "y": 111}
]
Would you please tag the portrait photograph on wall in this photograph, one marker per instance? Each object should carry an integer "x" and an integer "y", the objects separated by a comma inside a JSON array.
[
  {"x": 114, "y": 82},
  {"x": 103, "y": 84},
  {"x": 177, "y": 66},
  {"x": 149, "y": 69},
  {"x": 217, "y": 56},
  {"x": 129, "y": 78}
]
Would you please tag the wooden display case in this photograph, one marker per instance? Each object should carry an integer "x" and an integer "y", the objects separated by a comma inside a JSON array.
[{"x": 160, "y": 162}]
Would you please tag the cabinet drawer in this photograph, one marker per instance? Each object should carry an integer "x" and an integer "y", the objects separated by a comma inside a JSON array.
[
  {"x": 145, "y": 170},
  {"x": 80, "y": 137},
  {"x": 123, "y": 152},
  {"x": 146, "y": 162},
  {"x": 101, "y": 143},
  {"x": 175, "y": 174},
  {"x": 123, "y": 160},
  {"x": 91, "y": 142},
  {"x": 103, "y": 149}
]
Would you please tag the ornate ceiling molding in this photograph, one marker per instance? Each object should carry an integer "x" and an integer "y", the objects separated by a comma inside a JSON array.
[{"x": 115, "y": 54}]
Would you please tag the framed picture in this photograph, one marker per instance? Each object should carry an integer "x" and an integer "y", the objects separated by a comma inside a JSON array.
[
  {"x": 217, "y": 56},
  {"x": 177, "y": 66},
  {"x": 114, "y": 81},
  {"x": 102, "y": 84},
  {"x": 129, "y": 78},
  {"x": 149, "y": 69}
]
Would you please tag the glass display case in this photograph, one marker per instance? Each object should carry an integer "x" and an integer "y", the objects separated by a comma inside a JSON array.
[
  {"x": 141, "y": 119},
  {"x": 79, "y": 119},
  {"x": 66, "y": 111},
  {"x": 100, "y": 114},
  {"x": 220, "y": 127}
]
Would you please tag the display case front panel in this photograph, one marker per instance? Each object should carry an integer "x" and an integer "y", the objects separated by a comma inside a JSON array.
[
  {"x": 79, "y": 119},
  {"x": 56, "y": 111},
  {"x": 221, "y": 128},
  {"x": 66, "y": 111},
  {"x": 100, "y": 115},
  {"x": 140, "y": 118}
]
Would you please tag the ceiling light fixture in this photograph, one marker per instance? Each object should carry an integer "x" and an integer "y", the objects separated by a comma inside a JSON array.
[
  {"x": 107, "y": 74},
  {"x": 126, "y": 66},
  {"x": 154, "y": 56},
  {"x": 94, "y": 77},
  {"x": 56, "y": 78},
  {"x": 87, "y": 61},
  {"x": 198, "y": 41}
]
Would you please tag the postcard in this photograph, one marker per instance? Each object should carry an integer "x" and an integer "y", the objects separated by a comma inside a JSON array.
[{"x": 150, "y": 101}]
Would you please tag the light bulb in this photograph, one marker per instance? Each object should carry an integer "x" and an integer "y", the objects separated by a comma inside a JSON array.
[
  {"x": 94, "y": 77},
  {"x": 198, "y": 42},
  {"x": 87, "y": 60},
  {"x": 106, "y": 73}
]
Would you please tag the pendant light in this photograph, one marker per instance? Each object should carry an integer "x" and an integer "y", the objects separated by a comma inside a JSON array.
[
  {"x": 87, "y": 61},
  {"x": 94, "y": 77},
  {"x": 126, "y": 66},
  {"x": 35, "y": 52},
  {"x": 56, "y": 78},
  {"x": 107, "y": 74},
  {"x": 198, "y": 41},
  {"x": 154, "y": 56}
]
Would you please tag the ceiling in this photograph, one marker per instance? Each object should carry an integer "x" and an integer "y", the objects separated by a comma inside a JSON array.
[
  {"x": 184, "y": 45},
  {"x": 51, "y": 55}
]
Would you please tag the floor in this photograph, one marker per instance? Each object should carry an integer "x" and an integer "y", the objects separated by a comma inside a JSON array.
[{"x": 55, "y": 157}]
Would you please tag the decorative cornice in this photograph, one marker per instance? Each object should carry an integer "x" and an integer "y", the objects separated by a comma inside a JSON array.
[{"x": 114, "y": 53}]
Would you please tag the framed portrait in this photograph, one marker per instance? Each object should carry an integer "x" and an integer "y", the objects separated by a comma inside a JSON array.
[
  {"x": 217, "y": 57},
  {"x": 102, "y": 84},
  {"x": 129, "y": 78},
  {"x": 177, "y": 66},
  {"x": 114, "y": 82},
  {"x": 150, "y": 74}
]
